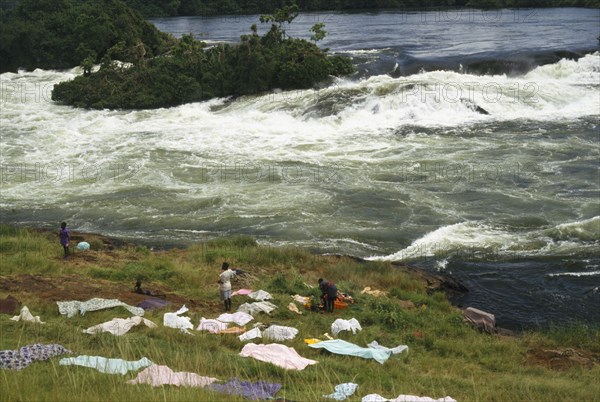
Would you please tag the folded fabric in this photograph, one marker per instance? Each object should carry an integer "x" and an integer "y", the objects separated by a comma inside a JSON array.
[
  {"x": 26, "y": 315},
  {"x": 293, "y": 308},
  {"x": 239, "y": 318},
  {"x": 212, "y": 326},
  {"x": 233, "y": 330},
  {"x": 311, "y": 340},
  {"x": 405, "y": 398},
  {"x": 242, "y": 292},
  {"x": 70, "y": 308},
  {"x": 260, "y": 295},
  {"x": 394, "y": 351},
  {"x": 173, "y": 320},
  {"x": 279, "y": 355},
  {"x": 153, "y": 303},
  {"x": 341, "y": 347},
  {"x": 257, "y": 307},
  {"x": 340, "y": 325},
  {"x": 343, "y": 391},
  {"x": 301, "y": 299},
  {"x": 279, "y": 333},
  {"x": 373, "y": 292},
  {"x": 252, "y": 334},
  {"x": 250, "y": 390},
  {"x": 119, "y": 326},
  {"x": 23, "y": 357},
  {"x": 157, "y": 375},
  {"x": 104, "y": 365}
]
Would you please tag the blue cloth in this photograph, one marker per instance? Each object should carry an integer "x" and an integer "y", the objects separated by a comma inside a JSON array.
[
  {"x": 250, "y": 390},
  {"x": 341, "y": 347},
  {"x": 343, "y": 391},
  {"x": 83, "y": 245},
  {"x": 104, "y": 365},
  {"x": 153, "y": 302},
  {"x": 21, "y": 358}
]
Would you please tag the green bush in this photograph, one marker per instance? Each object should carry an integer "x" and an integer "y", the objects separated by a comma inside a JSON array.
[
  {"x": 192, "y": 73},
  {"x": 55, "y": 34}
]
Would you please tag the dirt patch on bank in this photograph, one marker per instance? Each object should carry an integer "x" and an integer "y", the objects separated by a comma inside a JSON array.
[
  {"x": 562, "y": 359},
  {"x": 50, "y": 289}
]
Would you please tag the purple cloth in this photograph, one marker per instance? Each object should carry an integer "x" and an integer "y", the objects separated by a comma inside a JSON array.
[
  {"x": 250, "y": 390},
  {"x": 153, "y": 302},
  {"x": 64, "y": 236},
  {"x": 19, "y": 359}
]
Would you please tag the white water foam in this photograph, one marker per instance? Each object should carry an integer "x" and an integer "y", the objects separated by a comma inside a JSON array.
[
  {"x": 578, "y": 274},
  {"x": 473, "y": 239}
]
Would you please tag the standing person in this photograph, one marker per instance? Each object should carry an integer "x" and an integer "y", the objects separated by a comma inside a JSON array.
[
  {"x": 329, "y": 293},
  {"x": 64, "y": 234},
  {"x": 225, "y": 285}
]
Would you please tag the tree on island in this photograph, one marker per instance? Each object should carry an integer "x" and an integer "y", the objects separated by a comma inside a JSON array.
[{"x": 191, "y": 71}]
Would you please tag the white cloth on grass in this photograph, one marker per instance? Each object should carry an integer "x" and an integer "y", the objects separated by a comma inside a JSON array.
[
  {"x": 104, "y": 365},
  {"x": 340, "y": 325},
  {"x": 279, "y": 333},
  {"x": 257, "y": 307},
  {"x": 343, "y": 391},
  {"x": 395, "y": 351},
  {"x": 212, "y": 326},
  {"x": 293, "y": 308},
  {"x": 252, "y": 334},
  {"x": 26, "y": 315},
  {"x": 239, "y": 318},
  {"x": 173, "y": 320},
  {"x": 70, "y": 308},
  {"x": 157, "y": 375},
  {"x": 260, "y": 295},
  {"x": 119, "y": 326},
  {"x": 279, "y": 355},
  {"x": 405, "y": 398},
  {"x": 301, "y": 299}
]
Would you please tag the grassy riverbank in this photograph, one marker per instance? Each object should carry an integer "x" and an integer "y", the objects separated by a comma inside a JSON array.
[{"x": 446, "y": 356}]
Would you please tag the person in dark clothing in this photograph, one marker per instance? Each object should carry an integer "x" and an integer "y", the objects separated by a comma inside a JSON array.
[
  {"x": 65, "y": 235},
  {"x": 329, "y": 293}
]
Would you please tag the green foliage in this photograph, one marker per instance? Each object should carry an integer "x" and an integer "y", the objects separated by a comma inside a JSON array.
[
  {"x": 318, "y": 31},
  {"x": 289, "y": 286},
  {"x": 55, "y": 34},
  {"x": 147, "y": 270},
  {"x": 192, "y": 73},
  {"x": 283, "y": 15},
  {"x": 384, "y": 311}
]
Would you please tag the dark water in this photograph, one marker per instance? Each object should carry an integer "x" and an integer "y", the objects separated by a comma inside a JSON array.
[
  {"x": 482, "y": 41},
  {"x": 466, "y": 143}
]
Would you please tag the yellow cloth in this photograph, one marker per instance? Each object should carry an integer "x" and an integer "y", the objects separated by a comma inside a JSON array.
[{"x": 311, "y": 341}]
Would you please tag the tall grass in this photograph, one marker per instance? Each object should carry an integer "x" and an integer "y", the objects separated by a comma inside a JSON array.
[{"x": 446, "y": 356}]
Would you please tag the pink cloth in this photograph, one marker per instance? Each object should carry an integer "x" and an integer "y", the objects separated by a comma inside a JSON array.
[
  {"x": 279, "y": 355},
  {"x": 242, "y": 292},
  {"x": 157, "y": 375}
]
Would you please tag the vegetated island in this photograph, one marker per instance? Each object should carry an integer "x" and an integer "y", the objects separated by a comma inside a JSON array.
[
  {"x": 446, "y": 355},
  {"x": 159, "y": 70}
]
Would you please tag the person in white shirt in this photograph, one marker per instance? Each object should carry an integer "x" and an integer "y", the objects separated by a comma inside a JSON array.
[{"x": 225, "y": 285}]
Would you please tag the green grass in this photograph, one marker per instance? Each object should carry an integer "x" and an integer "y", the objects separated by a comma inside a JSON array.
[{"x": 446, "y": 356}]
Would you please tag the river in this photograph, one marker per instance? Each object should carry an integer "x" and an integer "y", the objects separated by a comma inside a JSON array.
[{"x": 467, "y": 142}]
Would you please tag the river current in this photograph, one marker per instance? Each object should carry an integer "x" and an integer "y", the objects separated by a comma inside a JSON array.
[{"x": 467, "y": 142}]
